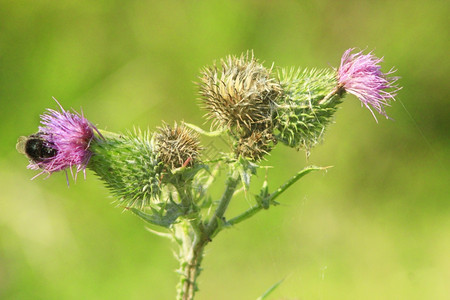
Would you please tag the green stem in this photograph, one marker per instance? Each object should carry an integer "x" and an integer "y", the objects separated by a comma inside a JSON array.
[
  {"x": 185, "y": 195},
  {"x": 293, "y": 180},
  {"x": 270, "y": 199},
  {"x": 245, "y": 215},
  {"x": 199, "y": 238},
  {"x": 191, "y": 270},
  {"x": 196, "y": 237},
  {"x": 212, "y": 226}
]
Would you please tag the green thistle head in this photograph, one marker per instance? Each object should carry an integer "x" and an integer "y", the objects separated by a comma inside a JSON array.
[
  {"x": 130, "y": 167},
  {"x": 302, "y": 115}
]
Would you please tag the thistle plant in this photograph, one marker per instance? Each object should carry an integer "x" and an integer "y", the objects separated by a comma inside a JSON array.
[{"x": 163, "y": 177}]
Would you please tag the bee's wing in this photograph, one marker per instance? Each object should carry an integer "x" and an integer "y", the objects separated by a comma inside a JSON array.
[{"x": 20, "y": 146}]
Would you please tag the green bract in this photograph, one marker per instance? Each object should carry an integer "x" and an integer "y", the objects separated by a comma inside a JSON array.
[
  {"x": 301, "y": 118},
  {"x": 129, "y": 167}
]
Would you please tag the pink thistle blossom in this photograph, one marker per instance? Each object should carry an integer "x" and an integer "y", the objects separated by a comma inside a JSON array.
[
  {"x": 68, "y": 136},
  {"x": 359, "y": 74}
]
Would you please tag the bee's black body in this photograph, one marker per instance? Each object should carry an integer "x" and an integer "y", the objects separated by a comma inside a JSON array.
[{"x": 37, "y": 149}]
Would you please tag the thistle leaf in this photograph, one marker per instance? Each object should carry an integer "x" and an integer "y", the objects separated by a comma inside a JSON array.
[
  {"x": 245, "y": 169},
  {"x": 156, "y": 218},
  {"x": 270, "y": 290}
]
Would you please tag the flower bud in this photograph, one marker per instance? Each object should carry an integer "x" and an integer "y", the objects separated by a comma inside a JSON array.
[{"x": 129, "y": 166}]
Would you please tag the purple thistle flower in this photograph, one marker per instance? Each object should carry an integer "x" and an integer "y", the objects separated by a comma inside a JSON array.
[
  {"x": 361, "y": 76},
  {"x": 67, "y": 135}
]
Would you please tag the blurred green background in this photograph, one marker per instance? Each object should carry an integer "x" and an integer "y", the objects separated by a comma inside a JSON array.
[{"x": 375, "y": 226}]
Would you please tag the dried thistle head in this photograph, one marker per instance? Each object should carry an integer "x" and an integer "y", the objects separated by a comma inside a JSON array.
[
  {"x": 256, "y": 145},
  {"x": 177, "y": 146},
  {"x": 238, "y": 94}
]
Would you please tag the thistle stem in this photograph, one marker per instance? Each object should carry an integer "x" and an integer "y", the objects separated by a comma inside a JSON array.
[
  {"x": 185, "y": 195},
  {"x": 291, "y": 181},
  {"x": 231, "y": 185},
  {"x": 191, "y": 272},
  {"x": 200, "y": 237},
  {"x": 245, "y": 215},
  {"x": 270, "y": 199}
]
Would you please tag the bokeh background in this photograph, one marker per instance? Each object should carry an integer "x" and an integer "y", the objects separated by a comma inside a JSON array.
[{"x": 375, "y": 226}]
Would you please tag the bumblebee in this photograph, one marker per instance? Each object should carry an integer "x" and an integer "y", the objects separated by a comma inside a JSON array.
[{"x": 35, "y": 148}]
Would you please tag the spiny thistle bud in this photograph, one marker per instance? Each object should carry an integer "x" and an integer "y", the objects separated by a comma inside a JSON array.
[
  {"x": 301, "y": 119},
  {"x": 238, "y": 95},
  {"x": 62, "y": 142},
  {"x": 177, "y": 146},
  {"x": 129, "y": 166}
]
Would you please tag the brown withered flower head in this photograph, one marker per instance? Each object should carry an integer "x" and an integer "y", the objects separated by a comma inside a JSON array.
[
  {"x": 256, "y": 145},
  {"x": 178, "y": 146},
  {"x": 239, "y": 93}
]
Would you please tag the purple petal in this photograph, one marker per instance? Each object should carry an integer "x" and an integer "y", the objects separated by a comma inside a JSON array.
[
  {"x": 360, "y": 74},
  {"x": 70, "y": 134}
]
